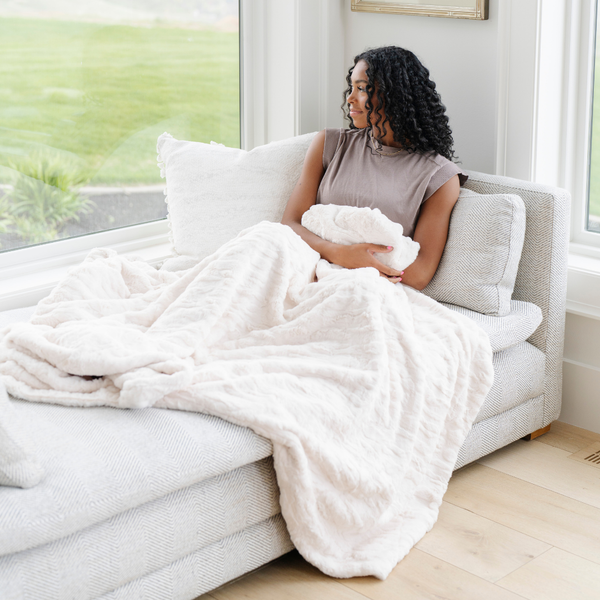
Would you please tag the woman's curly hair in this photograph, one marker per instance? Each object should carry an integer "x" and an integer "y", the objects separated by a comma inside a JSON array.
[{"x": 412, "y": 106}]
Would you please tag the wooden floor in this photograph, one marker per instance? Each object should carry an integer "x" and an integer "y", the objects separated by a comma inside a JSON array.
[{"x": 523, "y": 522}]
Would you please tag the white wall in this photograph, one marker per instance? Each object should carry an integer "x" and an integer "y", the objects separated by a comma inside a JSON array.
[
  {"x": 461, "y": 56},
  {"x": 581, "y": 373}
]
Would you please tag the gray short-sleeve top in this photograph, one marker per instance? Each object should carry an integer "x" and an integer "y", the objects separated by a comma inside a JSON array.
[{"x": 397, "y": 184}]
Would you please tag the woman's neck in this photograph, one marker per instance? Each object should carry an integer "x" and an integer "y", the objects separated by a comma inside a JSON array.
[{"x": 387, "y": 139}]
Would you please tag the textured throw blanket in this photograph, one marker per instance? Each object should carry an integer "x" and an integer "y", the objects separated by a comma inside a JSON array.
[{"x": 366, "y": 389}]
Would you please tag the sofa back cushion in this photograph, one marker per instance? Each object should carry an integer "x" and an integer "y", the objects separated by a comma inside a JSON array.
[
  {"x": 214, "y": 192},
  {"x": 481, "y": 258}
]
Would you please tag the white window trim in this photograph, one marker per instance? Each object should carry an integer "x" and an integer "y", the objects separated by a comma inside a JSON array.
[{"x": 583, "y": 284}]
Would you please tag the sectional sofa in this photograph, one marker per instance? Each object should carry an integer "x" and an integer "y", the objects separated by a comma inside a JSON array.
[{"x": 151, "y": 503}]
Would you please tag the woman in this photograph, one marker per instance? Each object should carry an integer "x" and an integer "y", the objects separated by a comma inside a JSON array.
[{"x": 396, "y": 156}]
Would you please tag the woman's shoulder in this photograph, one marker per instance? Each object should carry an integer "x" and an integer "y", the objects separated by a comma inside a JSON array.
[
  {"x": 434, "y": 159},
  {"x": 343, "y": 130},
  {"x": 431, "y": 162},
  {"x": 440, "y": 169},
  {"x": 342, "y": 133},
  {"x": 336, "y": 139}
]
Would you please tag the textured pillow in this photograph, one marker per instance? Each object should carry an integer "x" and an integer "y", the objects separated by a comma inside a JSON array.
[
  {"x": 353, "y": 225},
  {"x": 214, "y": 192},
  {"x": 18, "y": 466},
  {"x": 480, "y": 261}
]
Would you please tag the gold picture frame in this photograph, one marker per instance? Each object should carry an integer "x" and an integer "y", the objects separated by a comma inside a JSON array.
[{"x": 454, "y": 9}]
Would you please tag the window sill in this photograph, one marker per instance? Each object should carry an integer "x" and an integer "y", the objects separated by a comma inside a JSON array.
[
  {"x": 28, "y": 276},
  {"x": 583, "y": 282}
]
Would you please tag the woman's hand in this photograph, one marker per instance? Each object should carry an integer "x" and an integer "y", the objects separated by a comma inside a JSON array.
[{"x": 357, "y": 256}]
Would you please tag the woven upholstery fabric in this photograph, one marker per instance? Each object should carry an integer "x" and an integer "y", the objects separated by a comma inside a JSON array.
[
  {"x": 518, "y": 377},
  {"x": 214, "y": 192},
  {"x": 133, "y": 544},
  {"x": 100, "y": 462},
  {"x": 480, "y": 261},
  {"x": 19, "y": 466},
  {"x": 515, "y": 327},
  {"x": 212, "y": 566},
  {"x": 500, "y": 430},
  {"x": 542, "y": 275}
]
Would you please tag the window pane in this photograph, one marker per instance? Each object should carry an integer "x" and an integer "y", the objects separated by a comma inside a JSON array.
[
  {"x": 85, "y": 90},
  {"x": 593, "y": 222}
]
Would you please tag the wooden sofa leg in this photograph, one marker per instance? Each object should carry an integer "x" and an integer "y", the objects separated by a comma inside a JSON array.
[{"x": 537, "y": 433}]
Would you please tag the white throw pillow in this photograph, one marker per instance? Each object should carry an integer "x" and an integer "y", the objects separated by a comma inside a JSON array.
[
  {"x": 353, "y": 225},
  {"x": 214, "y": 192},
  {"x": 481, "y": 258}
]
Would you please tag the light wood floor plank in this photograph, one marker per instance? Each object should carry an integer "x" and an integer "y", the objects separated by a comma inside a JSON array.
[
  {"x": 568, "y": 437},
  {"x": 548, "y": 467},
  {"x": 479, "y": 545},
  {"x": 421, "y": 576},
  {"x": 556, "y": 575},
  {"x": 290, "y": 578},
  {"x": 543, "y": 514}
]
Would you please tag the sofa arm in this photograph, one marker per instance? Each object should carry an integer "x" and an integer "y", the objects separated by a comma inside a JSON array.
[{"x": 542, "y": 274}]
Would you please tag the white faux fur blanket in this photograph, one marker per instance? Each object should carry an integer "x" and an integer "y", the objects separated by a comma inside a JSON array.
[{"x": 366, "y": 389}]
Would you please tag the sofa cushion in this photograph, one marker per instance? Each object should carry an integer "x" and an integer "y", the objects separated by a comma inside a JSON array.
[
  {"x": 136, "y": 543},
  {"x": 518, "y": 377},
  {"x": 211, "y": 567},
  {"x": 214, "y": 192},
  {"x": 481, "y": 258},
  {"x": 19, "y": 466},
  {"x": 515, "y": 327},
  {"x": 504, "y": 428},
  {"x": 101, "y": 461}
]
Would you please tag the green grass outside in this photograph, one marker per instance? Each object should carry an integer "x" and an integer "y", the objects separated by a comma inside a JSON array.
[
  {"x": 595, "y": 157},
  {"x": 102, "y": 94}
]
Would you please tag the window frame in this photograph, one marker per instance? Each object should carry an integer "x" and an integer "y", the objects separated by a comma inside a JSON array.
[
  {"x": 578, "y": 153},
  {"x": 28, "y": 274},
  {"x": 583, "y": 278}
]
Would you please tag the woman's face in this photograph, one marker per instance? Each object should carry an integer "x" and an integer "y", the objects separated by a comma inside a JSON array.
[{"x": 358, "y": 97}]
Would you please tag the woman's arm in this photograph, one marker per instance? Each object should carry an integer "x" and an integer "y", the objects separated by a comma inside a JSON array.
[
  {"x": 304, "y": 196},
  {"x": 431, "y": 233}
]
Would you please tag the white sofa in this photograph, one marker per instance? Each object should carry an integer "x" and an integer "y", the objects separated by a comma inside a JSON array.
[{"x": 165, "y": 504}]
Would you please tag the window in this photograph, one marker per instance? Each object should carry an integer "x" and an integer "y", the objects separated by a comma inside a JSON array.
[
  {"x": 593, "y": 208},
  {"x": 85, "y": 92}
]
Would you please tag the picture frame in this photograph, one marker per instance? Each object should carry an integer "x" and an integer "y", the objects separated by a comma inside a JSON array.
[{"x": 454, "y": 9}]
